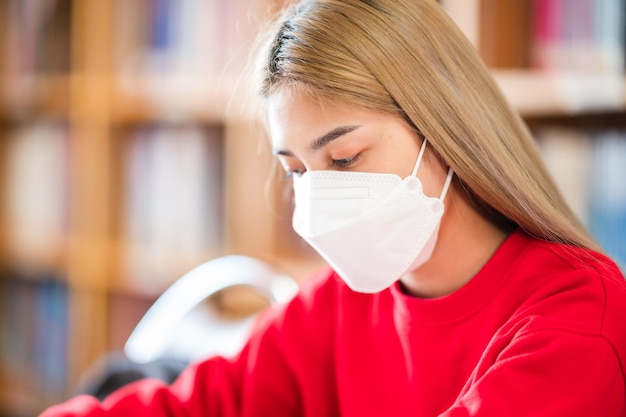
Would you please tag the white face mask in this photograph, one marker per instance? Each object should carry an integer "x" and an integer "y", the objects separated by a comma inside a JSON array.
[{"x": 371, "y": 228}]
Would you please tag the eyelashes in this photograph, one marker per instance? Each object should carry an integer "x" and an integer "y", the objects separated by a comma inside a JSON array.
[
  {"x": 338, "y": 164},
  {"x": 293, "y": 173},
  {"x": 345, "y": 162}
]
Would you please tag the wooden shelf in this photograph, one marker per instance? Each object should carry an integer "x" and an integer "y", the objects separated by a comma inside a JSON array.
[
  {"x": 535, "y": 93},
  {"x": 148, "y": 271},
  {"x": 127, "y": 283},
  {"x": 35, "y": 94},
  {"x": 170, "y": 98},
  {"x": 51, "y": 258},
  {"x": 19, "y": 399},
  {"x": 297, "y": 267},
  {"x": 216, "y": 99}
]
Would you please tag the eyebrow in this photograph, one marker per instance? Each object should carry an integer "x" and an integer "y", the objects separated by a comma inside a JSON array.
[{"x": 322, "y": 140}]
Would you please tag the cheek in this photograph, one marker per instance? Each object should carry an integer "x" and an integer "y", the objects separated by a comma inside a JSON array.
[
  {"x": 399, "y": 163},
  {"x": 400, "y": 157}
]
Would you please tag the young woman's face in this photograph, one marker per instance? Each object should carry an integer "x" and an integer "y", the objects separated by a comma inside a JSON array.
[{"x": 309, "y": 135}]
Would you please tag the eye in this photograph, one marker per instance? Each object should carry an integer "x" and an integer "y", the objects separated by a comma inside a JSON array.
[
  {"x": 291, "y": 167},
  {"x": 293, "y": 173},
  {"x": 345, "y": 162}
]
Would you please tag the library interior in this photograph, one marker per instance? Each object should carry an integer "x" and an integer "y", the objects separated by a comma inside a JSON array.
[{"x": 130, "y": 154}]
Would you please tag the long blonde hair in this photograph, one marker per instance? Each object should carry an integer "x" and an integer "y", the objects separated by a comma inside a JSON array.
[{"x": 408, "y": 57}]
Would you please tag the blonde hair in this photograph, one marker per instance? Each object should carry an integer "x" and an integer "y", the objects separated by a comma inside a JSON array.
[{"x": 408, "y": 57}]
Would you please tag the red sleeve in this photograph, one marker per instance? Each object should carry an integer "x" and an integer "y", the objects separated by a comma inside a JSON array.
[
  {"x": 209, "y": 387},
  {"x": 544, "y": 374},
  {"x": 215, "y": 387},
  {"x": 264, "y": 379}
]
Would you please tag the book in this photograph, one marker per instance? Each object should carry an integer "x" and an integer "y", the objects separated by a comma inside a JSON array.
[
  {"x": 607, "y": 220},
  {"x": 175, "y": 38},
  {"x": 581, "y": 36},
  {"x": 38, "y": 36},
  {"x": 567, "y": 154},
  {"x": 173, "y": 212},
  {"x": 50, "y": 349},
  {"x": 505, "y": 33},
  {"x": 610, "y": 35},
  {"x": 37, "y": 184},
  {"x": 34, "y": 351},
  {"x": 547, "y": 33}
]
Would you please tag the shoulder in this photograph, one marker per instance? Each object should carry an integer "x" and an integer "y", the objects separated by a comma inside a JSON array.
[
  {"x": 574, "y": 290},
  {"x": 572, "y": 269},
  {"x": 539, "y": 256},
  {"x": 564, "y": 265}
]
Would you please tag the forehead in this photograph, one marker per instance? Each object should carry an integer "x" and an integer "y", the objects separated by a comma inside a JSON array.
[
  {"x": 295, "y": 118},
  {"x": 289, "y": 115}
]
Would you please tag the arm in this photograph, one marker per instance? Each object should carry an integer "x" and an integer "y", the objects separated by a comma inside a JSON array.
[
  {"x": 288, "y": 345},
  {"x": 215, "y": 387},
  {"x": 154, "y": 398},
  {"x": 546, "y": 373}
]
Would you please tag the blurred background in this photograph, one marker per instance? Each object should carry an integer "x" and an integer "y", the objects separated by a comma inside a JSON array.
[{"x": 129, "y": 154}]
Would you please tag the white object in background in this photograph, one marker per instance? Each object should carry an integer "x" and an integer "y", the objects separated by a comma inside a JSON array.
[{"x": 174, "y": 327}]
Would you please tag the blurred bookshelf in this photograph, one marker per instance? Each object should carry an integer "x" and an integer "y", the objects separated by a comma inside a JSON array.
[
  {"x": 129, "y": 156},
  {"x": 562, "y": 66}
]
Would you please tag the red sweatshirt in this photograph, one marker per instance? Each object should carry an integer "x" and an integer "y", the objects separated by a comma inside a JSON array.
[{"x": 539, "y": 331}]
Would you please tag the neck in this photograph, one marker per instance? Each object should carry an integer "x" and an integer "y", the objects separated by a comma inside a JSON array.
[{"x": 465, "y": 243}]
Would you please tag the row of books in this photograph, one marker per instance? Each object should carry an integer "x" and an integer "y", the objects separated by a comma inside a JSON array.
[
  {"x": 36, "y": 35},
  {"x": 173, "y": 200},
  {"x": 607, "y": 202},
  {"x": 172, "y": 194},
  {"x": 192, "y": 37},
  {"x": 33, "y": 347},
  {"x": 196, "y": 37},
  {"x": 37, "y": 188},
  {"x": 583, "y": 34},
  {"x": 577, "y": 35},
  {"x": 589, "y": 168},
  {"x": 181, "y": 37}
]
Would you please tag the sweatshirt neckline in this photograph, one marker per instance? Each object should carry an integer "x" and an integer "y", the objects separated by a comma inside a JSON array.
[{"x": 468, "y": 299}]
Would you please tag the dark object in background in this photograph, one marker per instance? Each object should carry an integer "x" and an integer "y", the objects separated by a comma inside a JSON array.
[{"x": 116, "y": 370}]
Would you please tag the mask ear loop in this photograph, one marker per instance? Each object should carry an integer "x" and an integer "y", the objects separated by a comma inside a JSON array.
[
  {"x": 419, "y": 158},
  {"x": 446, "y": 185}
]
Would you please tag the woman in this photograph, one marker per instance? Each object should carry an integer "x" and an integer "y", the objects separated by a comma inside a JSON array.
[{"x": 461, "y": 284}]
